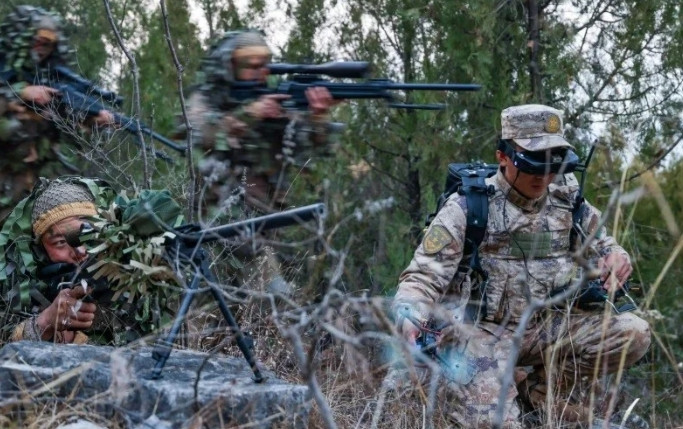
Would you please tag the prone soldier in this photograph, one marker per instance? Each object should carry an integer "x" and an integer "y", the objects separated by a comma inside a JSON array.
[{"x": 47, "y": 292}]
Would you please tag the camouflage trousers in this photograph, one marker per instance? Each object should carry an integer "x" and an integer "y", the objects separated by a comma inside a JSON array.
[{"x": 560, "y": 356}]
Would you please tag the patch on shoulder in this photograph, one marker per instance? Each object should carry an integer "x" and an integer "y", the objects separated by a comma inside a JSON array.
[{"x": 436, "y": 239}]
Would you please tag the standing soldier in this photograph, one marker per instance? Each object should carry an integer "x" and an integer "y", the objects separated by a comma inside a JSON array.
[
  {"x": 248, "y": 146},
  {"x": 525, "y": 254},
  {"x": 31, "y": 41}
]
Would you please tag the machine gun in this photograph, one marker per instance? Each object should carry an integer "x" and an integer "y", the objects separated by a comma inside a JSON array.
[
  {"x": 81, "y": 97},
  {"x": 306, "y": 76},
  {"x": 186, "y": 251}
]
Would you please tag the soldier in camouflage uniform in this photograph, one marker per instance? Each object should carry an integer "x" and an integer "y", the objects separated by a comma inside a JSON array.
[
  {"x": 248, "y": 147},
  {"x": 526, "y": 254},
  {"x": 31, "y": 40},
  {"x": 250, "y": 142},
  {"x": 37, "y": 255}
]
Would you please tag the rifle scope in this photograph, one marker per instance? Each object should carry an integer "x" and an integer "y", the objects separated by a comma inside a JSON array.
[{"x": 348, "y": 69}]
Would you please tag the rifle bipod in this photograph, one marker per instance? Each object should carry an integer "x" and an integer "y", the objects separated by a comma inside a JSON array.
[{"x": 162, "y": 349}]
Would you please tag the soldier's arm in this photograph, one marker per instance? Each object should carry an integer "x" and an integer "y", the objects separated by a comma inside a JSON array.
[
  {"x": 214, "y": 128},
  {"x": 429, "y": 275},
  {"x": 603, "y": 244}
]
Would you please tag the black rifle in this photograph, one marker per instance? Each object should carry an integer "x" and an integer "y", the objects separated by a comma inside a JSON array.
[
  {"x": 81, "y": 97},
  {"x": 187, "y": 250},
  {"x": 306, "y": 76}
]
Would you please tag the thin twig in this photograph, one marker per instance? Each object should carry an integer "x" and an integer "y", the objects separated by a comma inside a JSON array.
[
  {"x": 188, "y": 126},
  {"x": 147, "y": 179}
]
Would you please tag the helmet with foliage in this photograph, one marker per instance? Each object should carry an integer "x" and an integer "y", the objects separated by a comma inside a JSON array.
[
  {"x": 217, "y": 67},
  {"x": 17, "y": 33}
]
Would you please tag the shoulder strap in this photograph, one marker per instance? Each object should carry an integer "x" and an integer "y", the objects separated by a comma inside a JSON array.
[{"x": 477, "y": 193}]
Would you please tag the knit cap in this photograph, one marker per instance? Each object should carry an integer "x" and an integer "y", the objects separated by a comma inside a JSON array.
[{"x": 60, "y": 200}]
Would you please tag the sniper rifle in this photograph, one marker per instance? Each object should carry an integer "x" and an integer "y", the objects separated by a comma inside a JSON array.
[{"x": 306, "y": 76}]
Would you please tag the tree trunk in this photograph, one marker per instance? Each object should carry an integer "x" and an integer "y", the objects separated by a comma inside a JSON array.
[{"x": 534, "y": 46}]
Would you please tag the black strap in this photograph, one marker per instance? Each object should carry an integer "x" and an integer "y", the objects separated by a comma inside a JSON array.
[{"x": 477, "y": 196}]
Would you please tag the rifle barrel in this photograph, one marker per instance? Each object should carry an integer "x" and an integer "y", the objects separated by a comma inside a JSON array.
[
  {"x": 262, "y": 223},
  {"x": 130, "y": 125},
  {"x": 430, "y": 86}
]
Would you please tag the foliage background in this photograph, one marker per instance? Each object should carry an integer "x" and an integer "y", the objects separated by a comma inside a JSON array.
[{"x": 613, "y": 66}]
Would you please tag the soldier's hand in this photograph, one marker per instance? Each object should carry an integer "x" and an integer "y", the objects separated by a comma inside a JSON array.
[
  {"x": 16, "y": 107},
  {"x": 409, "y": 331},
  {"x": 66, "y": 313},
  {"x": 615, "y": 270},
  {"x": 320, "y": 100},
  {"x": 104, "y": 119},
  {"x": 38, "y": 94},
  {"x": 267, "y": 106}
]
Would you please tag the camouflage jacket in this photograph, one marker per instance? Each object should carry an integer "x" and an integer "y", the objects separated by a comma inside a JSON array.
[
  {"x": 29, "y": 138},
  {"x": 526, "y": 248},
  {"x": 31, "y": 142},
  {"x": 225, "y": 130}
]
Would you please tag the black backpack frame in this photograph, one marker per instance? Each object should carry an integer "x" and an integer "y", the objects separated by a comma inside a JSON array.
[{"x": 470, "y": 180}]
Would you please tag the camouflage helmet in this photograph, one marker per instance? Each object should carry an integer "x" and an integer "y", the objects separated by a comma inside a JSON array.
[
  {"x": 17, "y": 32},
  {"x": 60, "y": 200},
  {"x": 217, "y": 67}
]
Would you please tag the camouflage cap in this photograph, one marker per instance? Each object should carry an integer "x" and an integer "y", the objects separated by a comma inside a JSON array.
[
  {"x": 61, "y": 200},
  {"x": 533, "y": 127}
]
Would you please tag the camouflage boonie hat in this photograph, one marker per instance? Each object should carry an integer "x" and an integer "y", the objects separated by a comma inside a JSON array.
[
  {"x": 61, "y": 200},
  {"x": 534, "y": 127}
]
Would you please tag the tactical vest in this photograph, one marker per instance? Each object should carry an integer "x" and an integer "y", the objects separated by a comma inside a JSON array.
[{"x": 470, "y": 181}]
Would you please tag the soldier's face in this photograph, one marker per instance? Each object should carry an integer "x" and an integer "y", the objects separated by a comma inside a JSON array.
[
  {"x": 56, "y": 246},
  {"x": 44, "y": 44},
  {"x": 530, "y": 185},
  {"x": 251, "y": 68}
]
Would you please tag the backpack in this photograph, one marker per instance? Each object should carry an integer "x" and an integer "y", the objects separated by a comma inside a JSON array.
[{"x": 470, "y": 180}]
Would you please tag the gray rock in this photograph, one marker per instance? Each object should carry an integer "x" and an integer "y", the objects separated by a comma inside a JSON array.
[
  {"x": 112, "y": 382},
  {"x": 80, "y": 424}
]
